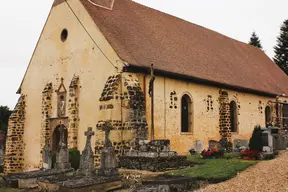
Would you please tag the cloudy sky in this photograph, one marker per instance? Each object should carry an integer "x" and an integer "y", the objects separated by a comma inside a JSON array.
[{"x": 22, "y": 21}]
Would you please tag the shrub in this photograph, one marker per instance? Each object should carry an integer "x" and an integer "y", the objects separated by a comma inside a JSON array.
[
  {"x": 255, "y": 142},
  {"x": 74, "y": 158}
]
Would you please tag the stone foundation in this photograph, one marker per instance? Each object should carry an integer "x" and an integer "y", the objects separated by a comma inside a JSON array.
[{"x": 14, "y": 154}]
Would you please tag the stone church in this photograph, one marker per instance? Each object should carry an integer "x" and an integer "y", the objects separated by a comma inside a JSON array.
[{"x": 92, "y": 64}]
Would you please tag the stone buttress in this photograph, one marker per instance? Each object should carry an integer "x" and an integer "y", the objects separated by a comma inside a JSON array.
[
  {"x": 224, "y": 115},
  {"x": 14, "y": 153},
  {"x": 73, "y": 113},
  {"x": 46, "y": 114},
  {"x": 122, "y": 103}
]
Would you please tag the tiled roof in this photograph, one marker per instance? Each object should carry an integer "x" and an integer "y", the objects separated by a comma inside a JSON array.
[{"x": 141, "y": 36}]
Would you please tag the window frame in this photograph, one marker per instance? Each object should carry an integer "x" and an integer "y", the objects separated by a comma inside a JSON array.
[
  {"x": 236, "y": 118},
  {"x": 190, "y": 114}
]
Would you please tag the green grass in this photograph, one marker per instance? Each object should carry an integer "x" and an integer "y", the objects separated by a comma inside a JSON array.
[{"x": 214, "y": 169}]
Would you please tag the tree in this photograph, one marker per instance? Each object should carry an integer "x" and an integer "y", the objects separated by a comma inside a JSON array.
[
  {"x": 255, "y": 142},
  {"x": 255, "y": 41},
  {"x": 281, "y": 49},
  {"x": 4, "y": 117}
]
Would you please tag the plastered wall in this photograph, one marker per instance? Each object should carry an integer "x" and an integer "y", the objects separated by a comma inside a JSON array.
[{"x": 205, "y": 112}]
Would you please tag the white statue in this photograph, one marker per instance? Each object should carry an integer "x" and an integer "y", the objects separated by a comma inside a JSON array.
[{"x": 62, "y": 106}]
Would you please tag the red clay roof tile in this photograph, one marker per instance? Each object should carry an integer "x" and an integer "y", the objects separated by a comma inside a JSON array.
[{"x": 141, "y": 36}]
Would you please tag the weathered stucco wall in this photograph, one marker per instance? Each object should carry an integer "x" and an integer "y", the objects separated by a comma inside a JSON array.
[
  {"x": 205, "y": 111},
  {"x": 78, "y": 56}
]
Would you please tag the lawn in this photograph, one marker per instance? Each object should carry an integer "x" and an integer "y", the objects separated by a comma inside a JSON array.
[{"x": 214, "y": 170}]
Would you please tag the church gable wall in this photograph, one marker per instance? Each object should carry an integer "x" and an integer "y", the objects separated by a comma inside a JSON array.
[{"x": 84, "y": 62}]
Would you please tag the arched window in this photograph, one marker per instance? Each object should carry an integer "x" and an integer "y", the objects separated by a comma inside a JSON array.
[
  {"x": 267, "y": 116},
  {"x": 186, "y": 114},
  {"x": 233, "y": 116}
]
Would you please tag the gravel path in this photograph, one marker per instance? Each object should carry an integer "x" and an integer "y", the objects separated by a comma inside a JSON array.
[{"x": 270, "y": 176}]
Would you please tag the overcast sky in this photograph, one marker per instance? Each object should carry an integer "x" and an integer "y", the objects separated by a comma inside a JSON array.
[{"x": 22, "y": 21}]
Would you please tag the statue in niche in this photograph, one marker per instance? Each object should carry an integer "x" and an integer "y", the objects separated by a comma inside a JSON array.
[
  {"x": 62, "y": 105},
  {"x": 61, "y": 99}
]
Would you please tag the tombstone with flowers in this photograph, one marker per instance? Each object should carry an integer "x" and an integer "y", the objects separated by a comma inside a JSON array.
[{"x": 212, "y": 153}]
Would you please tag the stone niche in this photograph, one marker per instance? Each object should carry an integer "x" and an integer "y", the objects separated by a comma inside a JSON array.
[
  {"x": 122, "y": 92},
  {"x": 61, "y": 100},
  {"x": 14, "y": 158}
]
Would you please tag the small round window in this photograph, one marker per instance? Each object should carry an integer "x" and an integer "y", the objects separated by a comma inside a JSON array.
[{"x": 64, "y": 35}]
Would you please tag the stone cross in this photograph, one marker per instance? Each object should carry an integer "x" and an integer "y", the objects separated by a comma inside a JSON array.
[
  {"x": 87, "y": 157},
  {"x": 46, "y": 155},
  {"x": 62, "y": 137},
  {"x": 89, "y": 133},
  {"x": 107, "y": 128},
  {"x": 62, "y": 155},
  {"x": 108, "y": 161}
]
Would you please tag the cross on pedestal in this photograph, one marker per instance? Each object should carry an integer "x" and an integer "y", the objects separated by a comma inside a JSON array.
[
  {"x": 62, "y": 136},
  {"x": 107, "y": 128},
  {"x": 89, "y": 133}
]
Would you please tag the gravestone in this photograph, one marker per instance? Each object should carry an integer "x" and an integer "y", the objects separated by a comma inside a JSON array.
[
  {"x": 241, "y": 143},
  {"x": 108, "y": 162},
  {"x": 213, "y": 143},
  {"x": 1, "y": 156},
  {"x": 267, "y": 142},
  {"x": 87, "y": 157},
  {"x": 62, "y": 155},
  {"x": 198, "y": 146},
  {"x": 46, "y": 156}
]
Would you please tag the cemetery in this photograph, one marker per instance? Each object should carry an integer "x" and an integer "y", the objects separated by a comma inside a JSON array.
[{"x": 221, "y": 161}]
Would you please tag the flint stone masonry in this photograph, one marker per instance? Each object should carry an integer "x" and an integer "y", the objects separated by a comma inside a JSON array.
[
  {"x": 73, "y": 113},
  {"x": 121, "y": 91},
  {"x": 14, "y": 153},
  {"x": 224, "y": 113},
  {"x": 110, "y": 89},
  {"x": 46, "y": 114}
]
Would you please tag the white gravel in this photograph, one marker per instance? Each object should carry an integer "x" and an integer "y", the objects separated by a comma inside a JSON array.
[{"x": 270, "y": 176}]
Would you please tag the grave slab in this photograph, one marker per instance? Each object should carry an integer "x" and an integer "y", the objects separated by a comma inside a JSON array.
[{"x": 28, "y": 180}]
